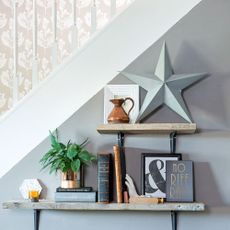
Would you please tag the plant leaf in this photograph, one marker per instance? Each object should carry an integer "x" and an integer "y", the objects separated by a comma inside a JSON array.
[
  {"x": 71, "y": 152},
  {"x": 75, "y": 165},
  {"x": 54, "y": 141},
  {"x": 84, "y": 142},
  {"x": 85, "y": 156}
]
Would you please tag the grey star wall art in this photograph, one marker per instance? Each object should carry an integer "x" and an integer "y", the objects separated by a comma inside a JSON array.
[{"x": 164, "y": 87}]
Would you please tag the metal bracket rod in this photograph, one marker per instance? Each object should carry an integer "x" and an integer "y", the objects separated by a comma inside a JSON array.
[
  {"x": 174, "y": 220},
  {"x": 173, "y": 136},
  {"x": 173, "y": 142},
  {"x": 121, "y": 139},
  {"x": 36, "y": 219}
]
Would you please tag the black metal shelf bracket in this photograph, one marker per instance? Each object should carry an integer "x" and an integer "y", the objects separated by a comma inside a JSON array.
[
  {"x": 173, "y": 136},
  {"x": 121, "y": 140},
  {"x": 36, "y": 219},
  {"x": 174, "y": 220}
]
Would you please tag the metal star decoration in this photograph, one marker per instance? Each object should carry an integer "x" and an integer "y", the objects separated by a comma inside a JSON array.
[{"x": 164, "y": 87}]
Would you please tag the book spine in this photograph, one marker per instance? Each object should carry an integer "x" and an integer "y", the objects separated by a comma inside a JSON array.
[
  {"x": 117, "y": 162},
  {"x": 84, "y": 189},
  {"x": 104, "y": 162}
]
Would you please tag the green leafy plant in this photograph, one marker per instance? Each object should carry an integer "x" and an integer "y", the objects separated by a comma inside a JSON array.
[{"x": 66, "y": 157}]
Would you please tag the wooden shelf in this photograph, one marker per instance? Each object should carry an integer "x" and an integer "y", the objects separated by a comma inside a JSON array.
[
  {"x": 148, "y": 128},
  {"x": 51, "y": 205}
]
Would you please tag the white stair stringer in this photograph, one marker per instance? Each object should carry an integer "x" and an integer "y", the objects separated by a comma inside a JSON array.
[{"x": 84, "y": 74}]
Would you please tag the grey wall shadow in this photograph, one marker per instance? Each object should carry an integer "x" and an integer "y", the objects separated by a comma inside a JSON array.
[
  {"x": 44, "y": 191},
  {"x": 206, "y": 189}
]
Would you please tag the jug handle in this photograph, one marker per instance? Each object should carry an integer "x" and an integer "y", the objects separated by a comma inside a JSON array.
[{"x": 129, "y": 98}]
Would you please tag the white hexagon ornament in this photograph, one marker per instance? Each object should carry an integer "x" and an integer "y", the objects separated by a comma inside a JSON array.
[{"x": 28, "y": 185}]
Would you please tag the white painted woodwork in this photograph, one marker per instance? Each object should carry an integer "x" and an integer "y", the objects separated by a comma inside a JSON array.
[
  {"x": 113, "y": 8},
  {"x": 27, "y": 124},
  {"x": 55, "y": 55},
  {"x": 93, "y": 17},
  {"x": 55, "y": 43},
  {"x": 74, "y": 27},
  {"x": 15, "y": 54},
  {"x": 35, "y": 61},
  {"x": 51, "y": 205}
]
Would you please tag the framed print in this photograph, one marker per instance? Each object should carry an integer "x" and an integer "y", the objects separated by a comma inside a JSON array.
[
  {"x": 153, "y": 179},
  {"x": 179, "y": 181},
  {"x": 121, "y": 91}
]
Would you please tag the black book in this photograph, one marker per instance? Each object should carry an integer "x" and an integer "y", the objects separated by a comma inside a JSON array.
[
  {"x": 179, "y": 181},
  {"x": 83, "y": 189},
  {"x": 104, "y": 177}
]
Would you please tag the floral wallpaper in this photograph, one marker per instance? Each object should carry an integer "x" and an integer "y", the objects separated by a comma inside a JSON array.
[{"x": 65, "y": 21}]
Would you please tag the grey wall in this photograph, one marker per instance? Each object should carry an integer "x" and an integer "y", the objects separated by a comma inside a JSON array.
[{"x": 198, "y": 43}]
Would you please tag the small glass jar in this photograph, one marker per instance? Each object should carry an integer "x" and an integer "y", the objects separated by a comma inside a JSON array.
[{"x": 34, "y": 195}]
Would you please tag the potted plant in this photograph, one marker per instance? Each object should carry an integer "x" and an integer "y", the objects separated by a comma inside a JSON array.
[{"x": 68, "y": 159}]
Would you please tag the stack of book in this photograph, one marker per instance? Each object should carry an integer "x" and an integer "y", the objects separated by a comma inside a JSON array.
[{"x": 85, "y": 194}]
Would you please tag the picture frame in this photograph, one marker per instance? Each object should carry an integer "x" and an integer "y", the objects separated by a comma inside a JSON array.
[
  {"x": 153, "y": 173},
  {"x": 121, "y": 91}
]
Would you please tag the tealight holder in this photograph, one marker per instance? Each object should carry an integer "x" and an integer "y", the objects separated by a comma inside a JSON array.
[{"x": 34, "y": 195}]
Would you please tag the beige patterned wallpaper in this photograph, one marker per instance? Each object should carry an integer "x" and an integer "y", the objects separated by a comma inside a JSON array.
[{"x": 44, "y": 38}]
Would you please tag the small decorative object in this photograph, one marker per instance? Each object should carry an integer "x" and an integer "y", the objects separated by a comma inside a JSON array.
[
  {"x": 121, "y": 91},
  {"x": 146, "y": 200},
  {"x": 154, "y": 173},
  {"x": 164, "y": 87},
  {"x": 135, "y": 198},
  {"x": 131, "y": 187},
  {"x": 71, "y": 179},
  {"x": 104, "y": 177},
  {"x": 179, "y": 181},
  {"x": 34, "y": 195},
  {"x": 66, "y": 158},
  {"x": 30, "y": 188},
  {"x": 118, "y": 114}
]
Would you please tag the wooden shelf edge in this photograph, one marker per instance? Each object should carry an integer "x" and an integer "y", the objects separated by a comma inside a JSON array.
[
  {"x": 51, "y": 205},
  {"x": 186, "y": 128}
]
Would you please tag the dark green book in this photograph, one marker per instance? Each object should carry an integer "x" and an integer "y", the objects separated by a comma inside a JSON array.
[{"x": 104, "y": 177}]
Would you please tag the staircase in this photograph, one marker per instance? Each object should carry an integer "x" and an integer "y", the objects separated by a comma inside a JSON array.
[{"x": 70, "y": 85}]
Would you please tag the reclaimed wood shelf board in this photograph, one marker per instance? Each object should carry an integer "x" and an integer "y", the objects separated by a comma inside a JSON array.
[
  {"x": 144, "y": 128},
  {"x": 51, "y": 205}
]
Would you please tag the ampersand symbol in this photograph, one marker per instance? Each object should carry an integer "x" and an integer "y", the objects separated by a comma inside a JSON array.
[{"x": 154, "y": 172}]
